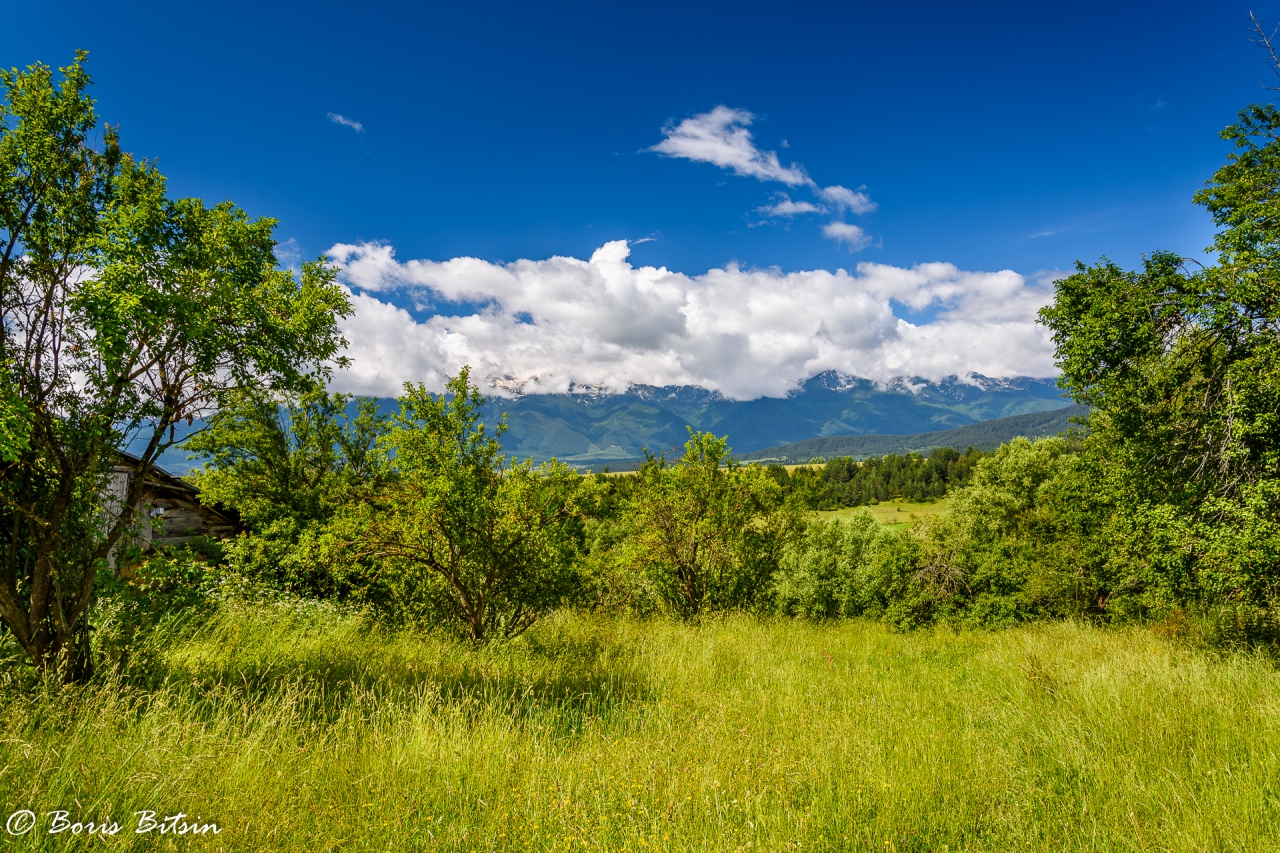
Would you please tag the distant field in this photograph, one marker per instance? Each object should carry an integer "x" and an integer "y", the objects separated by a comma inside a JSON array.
[
  {"x": 892, "y": 513},
  {"x": 629, "y": 470},
  {"x": 298, "y": 731}
]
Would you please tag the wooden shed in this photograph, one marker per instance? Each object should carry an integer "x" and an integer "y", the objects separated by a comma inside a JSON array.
[{"x": 170, "y": 510}]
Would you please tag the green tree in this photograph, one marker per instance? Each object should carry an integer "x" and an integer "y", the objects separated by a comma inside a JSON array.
[
  {"x": 708, "y": 531},
  {"x": 823, "y": 572},
  {"x": 846, "y": 482},
  {"x": 287, "y": 463},
  {"x": 123, "y": 312},
  {"x": 288, "y": 456},
  {"x": 1008, "y": 550},
  {"x": 1182, "y": 366},
  {"x": 997, "y": 556},
  {"x": 461, "y": 534}
]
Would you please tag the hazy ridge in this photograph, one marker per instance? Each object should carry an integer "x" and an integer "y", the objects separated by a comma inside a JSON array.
[
  {"x": 987, "y": 435},
  {"x": 595, "y": 428},
  {"x": 591, "y": 426}
]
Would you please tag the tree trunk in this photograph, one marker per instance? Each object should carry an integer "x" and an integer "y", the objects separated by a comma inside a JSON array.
[
  {"x": 68, "y": 654},
  {"x": 79, "y": 654}
]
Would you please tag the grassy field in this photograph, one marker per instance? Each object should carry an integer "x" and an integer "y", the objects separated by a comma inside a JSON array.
[
  {"x": 306, "y": 732},
  {"x": 891, "y": 513}
]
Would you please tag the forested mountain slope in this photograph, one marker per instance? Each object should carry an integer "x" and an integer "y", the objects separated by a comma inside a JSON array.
[
  {"x": 586, "y": 428},
  {"x": 598, "y": 429},
  {"x": 987, "y": 435}
]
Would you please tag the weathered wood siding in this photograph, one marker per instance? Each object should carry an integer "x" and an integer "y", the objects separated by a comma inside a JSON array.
[{"x": 169, "y": 511}]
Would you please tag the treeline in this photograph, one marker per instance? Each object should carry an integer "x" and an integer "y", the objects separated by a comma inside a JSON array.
[
  {"x": 421, "y": 519},
  {"x": 418, "y": 518},
  {"x": 997, "y": 557},
  {"x": 843, "y": 482}
]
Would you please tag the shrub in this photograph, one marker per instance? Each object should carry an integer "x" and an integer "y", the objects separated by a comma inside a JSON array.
[
  {"x": 993, "y": 560},
  {"x": 706, "y": 533},
  {"x": 823, "y": 573},
  {"x": 460, "y": 536}
]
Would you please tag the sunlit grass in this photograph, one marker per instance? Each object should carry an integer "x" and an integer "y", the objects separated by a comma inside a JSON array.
[
  {"x": 314, "y": 732},
  {"x": 891, "y": 513}
]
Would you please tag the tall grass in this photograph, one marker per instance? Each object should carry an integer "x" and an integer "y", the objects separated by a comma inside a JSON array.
[{"x": 312, "y": 731}]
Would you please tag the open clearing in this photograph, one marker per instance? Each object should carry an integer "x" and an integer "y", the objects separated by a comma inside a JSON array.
[
  {"x": 307, "y": 731},
  {"x": 891, "y": 513}
]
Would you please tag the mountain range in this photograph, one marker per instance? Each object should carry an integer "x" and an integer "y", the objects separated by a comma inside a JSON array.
[
  {"x": 987, "y": 435},
  {"x": 587, "y": 427},
  {"x": 593, "y": 427}
]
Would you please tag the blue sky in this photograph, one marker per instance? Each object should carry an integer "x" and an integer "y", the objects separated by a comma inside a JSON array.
[{"x": 989, "y": 136}]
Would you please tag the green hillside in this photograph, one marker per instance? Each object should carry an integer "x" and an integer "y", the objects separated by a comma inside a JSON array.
[
  {"x": 614, "y": 429},
  {"x": 594, "y": 429},
  {"x": 987, "y": 435}
]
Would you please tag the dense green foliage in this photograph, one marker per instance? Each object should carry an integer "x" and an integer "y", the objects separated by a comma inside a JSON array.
[
  {"x": 705, "y": 532},
  {"x": 1183, "y": 368},
  {"x": 122, "y": 312},
  {"x": 843, "y": 482},
  {"x": 461, "y": 536},
  {"x": 288, "y": 460},
  {"x": 991, "y": 560},
  {"x": 417, "y": 515},
  {"x": 287, "y": 463}
]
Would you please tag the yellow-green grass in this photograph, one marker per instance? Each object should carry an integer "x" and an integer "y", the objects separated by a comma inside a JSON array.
[
  {"x": 892, "y": 513},
  {"x": 790, "y": 468},
  {"x": 315, "y": 733}
]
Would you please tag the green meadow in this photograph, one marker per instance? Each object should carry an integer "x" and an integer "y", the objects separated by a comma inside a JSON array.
[
  {"x": 303, "y": 728},
  {"x": 890, "y": 513}
]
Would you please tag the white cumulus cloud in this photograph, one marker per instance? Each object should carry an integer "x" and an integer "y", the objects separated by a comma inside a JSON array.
[
  {"x": 721, "y": 137},
  {"x": 843, "y": 198},
  {"x": 552, "y": 323},
  {"x": 346, "y": 122},
  {"x": 851, "y": 235},
  {"x": 786, "y": 207}
]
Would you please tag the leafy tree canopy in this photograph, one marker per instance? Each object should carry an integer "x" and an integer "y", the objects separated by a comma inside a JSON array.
[
  {"x": 463, "y": 537},
  {"x": 706, "y": 530},
  {"x": 124, "y": 311},
  {"x": 1182, "y": 365}
]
